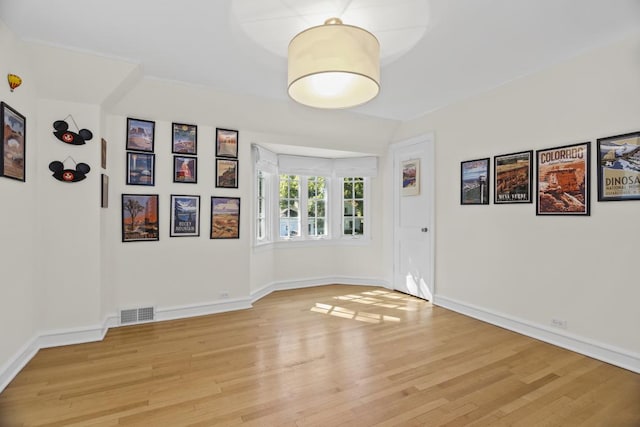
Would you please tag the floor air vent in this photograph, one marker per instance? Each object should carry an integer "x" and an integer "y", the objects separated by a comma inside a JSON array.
[{"x": 136, "y": 315}]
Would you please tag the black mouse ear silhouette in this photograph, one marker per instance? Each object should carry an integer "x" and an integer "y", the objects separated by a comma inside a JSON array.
[
  {"x": 83, "y": 167},
  {"x": 85, "y": 134},
  {"x": 56, "y": 166},
  {"x": 60, "y": 125}
]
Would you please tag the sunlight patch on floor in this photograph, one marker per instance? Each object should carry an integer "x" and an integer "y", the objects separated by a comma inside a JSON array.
[{"x": 360, "y": 316}]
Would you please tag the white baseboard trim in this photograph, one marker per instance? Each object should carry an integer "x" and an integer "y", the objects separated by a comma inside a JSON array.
[
  {"x": 193, "y": 310},
  {"x": 10, "y": 369},
  {"x": 58, "y": 338},
  {"x": 318, "y": 281},
  {"x": 604, "y": 352}
]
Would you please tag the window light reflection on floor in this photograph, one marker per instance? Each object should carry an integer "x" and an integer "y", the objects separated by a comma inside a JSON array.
[{"x": 360, "y": 316}]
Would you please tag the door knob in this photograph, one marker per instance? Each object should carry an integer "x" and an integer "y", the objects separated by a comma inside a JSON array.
[{"x": 424, "y": 229}]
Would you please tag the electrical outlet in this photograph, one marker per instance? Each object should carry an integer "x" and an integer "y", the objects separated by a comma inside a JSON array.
[
  {"x": 559, "y": 323},
  {"x": 224, "y": 294}
]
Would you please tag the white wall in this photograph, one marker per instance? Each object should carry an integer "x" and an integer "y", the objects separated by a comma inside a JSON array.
[
  {"x": 18, "y": 216},
  {"x": 503, "y": 258}
]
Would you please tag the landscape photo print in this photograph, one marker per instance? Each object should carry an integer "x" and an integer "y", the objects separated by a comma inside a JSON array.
[
  {"x": 512, "y": 178},
  {"x": 563, "y": 180},
  {"x": 474, "y": 182},
  {"x": 619, "y": 167}
]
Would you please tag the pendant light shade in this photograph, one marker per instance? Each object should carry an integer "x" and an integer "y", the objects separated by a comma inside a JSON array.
[{"x": 334, "y": 66}]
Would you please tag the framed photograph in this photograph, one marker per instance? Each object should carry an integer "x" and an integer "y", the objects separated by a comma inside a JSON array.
[
  {"x": 226, "y": 143},
  {"x": 103, "y": 153},
  {"x": 411, "y": 177},
  {"x": 225, "y": 218},
  {"x": 226, "y": 173},
  {"x": 185, "y": 169},
  {"x": 619, "y": 167},
  {"x": 140, "y": 169},
  {"x": 140, "y": 135},
  {"x": 140, "y": 217},
  {"x": 512, "y": 181},
  {"x": 104, "y": 191},
  {"x": 14, "y": 142},
  {"x": 184, "y": 139},
  {"x": 563, "y": 180},
  {"x": 185, "y": 216},
  {"x": 474, "y": 182}
]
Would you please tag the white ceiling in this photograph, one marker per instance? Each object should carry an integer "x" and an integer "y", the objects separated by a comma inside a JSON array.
[{"x": 460, "y": 48}]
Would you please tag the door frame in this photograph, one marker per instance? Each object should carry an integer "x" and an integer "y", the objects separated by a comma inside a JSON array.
[{"x": 427, "y": 173}]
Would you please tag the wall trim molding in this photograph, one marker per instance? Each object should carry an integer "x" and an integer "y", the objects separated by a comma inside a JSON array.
[
  {"x": 193, "y": 310},
  {"x": 17, "y": 362},
  {"x": 604, "y": 352},
  {"x": 285, "y": 285}
]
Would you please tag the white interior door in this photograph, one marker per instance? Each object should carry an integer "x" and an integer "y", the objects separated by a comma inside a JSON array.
[{"x": 413, "y": 217}]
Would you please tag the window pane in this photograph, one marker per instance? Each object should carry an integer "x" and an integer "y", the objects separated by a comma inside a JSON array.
[
  {"x": 359, "y": 226},
  {"x": 321, "y": 208},
  {"x": 311, "y": 211},
  {"x": 293, "y": 189},
  {"x": 348, "y": 226},
  {"x": 320, "y": 227},
  {"x": 348, "y": 208},
  {"x": 284, "y": 204},
  {"x": 359, "y": 207},
  {"x": 312, "y": 228},
  {"x": 348, "y": 189},
  {"x": 294, "y": 208},
  {"x": 358, "y": 187}
]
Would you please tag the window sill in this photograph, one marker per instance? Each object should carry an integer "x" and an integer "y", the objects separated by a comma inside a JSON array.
[{"x": 311, "y": 243}]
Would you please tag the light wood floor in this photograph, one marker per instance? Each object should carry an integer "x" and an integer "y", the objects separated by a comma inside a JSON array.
[{"x": 325, "y": 356}]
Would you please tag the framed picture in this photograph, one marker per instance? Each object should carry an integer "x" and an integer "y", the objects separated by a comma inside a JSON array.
[
  {"x": 103, "y": 153},
  {"x": 104, "y": 191},
  {"x": 512, "y": 181},
  {"x": 411, "y": 177},
  {"x": 185, "y": 169},
  {"x": 185, "y": 216},
  {"x": 140, "y": 169},
  {"x": 184, "y": 139},
  {"x": 225, "y": 217},
  {"x": 619, "y": 167},
  {"x": 14, "y": 140},
  {"x": 140, "y": 217},
  {"x": 563, "y": 180},
  {"x": 226, "y": 143},
  {"x": 140, "y": 135},
  {"x": 226, "y": 173},
  {"x": 474, "y": 185}
]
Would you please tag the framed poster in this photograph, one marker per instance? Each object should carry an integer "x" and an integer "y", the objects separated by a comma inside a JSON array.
[
  {"x": 103, "y": 153},
  {"x": 140, "y": 217},
  {"x": 184, "y": 139},
  {"x": 185, "y": 216},
  {"x": 104, "y": 191},
  {"x": 619, "y": 167},
  {"x": 512, "y": 178},
  {"x": 226, "y": 143},
  {"x": 185, "y": 169},
  {"x": 140, "y": 135},
  {"x": 14, "y": 141},
  {"x": 225, "y": 218},
  {"x": 410, "y": 177},
  {"x": 141, "y": 169},
  {"x": 474, "y": 182},
  {"x": 563, "y": 180},
  {"x": 226, "y": 173}
]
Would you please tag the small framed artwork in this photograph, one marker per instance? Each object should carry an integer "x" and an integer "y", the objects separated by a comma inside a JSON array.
[
  {"x": 563, "y": 180},
  {"x": 411, "y": 177},
  {"x": 226, "y": 173},
  {"x": 225, "y": 218},
  {"x": 184, "y": 139},
  {"x": 619, "y": 167},
  {"x": 14, "y": 141},
  {"x": 474, "y": 182},
  {"x": 140, "y": 135},
  {"x": 185, "y": 169},
  {"x": 140, "y": 169},
  {"x": 103, "y": 153},
  {"x": 185, "y": 216},
  {"x": 512, "y": 181},
  {"x": 140, "y": 217},
  {"x": 104, "y": 191},
  {"x": 226, "y": 143}
]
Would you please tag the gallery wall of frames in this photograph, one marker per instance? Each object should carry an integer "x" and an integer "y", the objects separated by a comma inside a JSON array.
[
  {"x": 140, "y": 214},
  {"x": 562, "y": 176}
]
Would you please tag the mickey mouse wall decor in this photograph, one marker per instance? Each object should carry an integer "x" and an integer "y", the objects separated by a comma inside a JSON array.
[
  {"x": 63, "y": 133},
  {"x": 69, "y": 175}
]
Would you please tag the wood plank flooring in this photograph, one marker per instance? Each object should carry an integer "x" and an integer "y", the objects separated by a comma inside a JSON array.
[{"x": 326, "y": 356}]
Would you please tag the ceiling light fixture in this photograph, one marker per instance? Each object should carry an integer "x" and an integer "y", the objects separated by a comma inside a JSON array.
[{"x": 334, "y": 66}]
